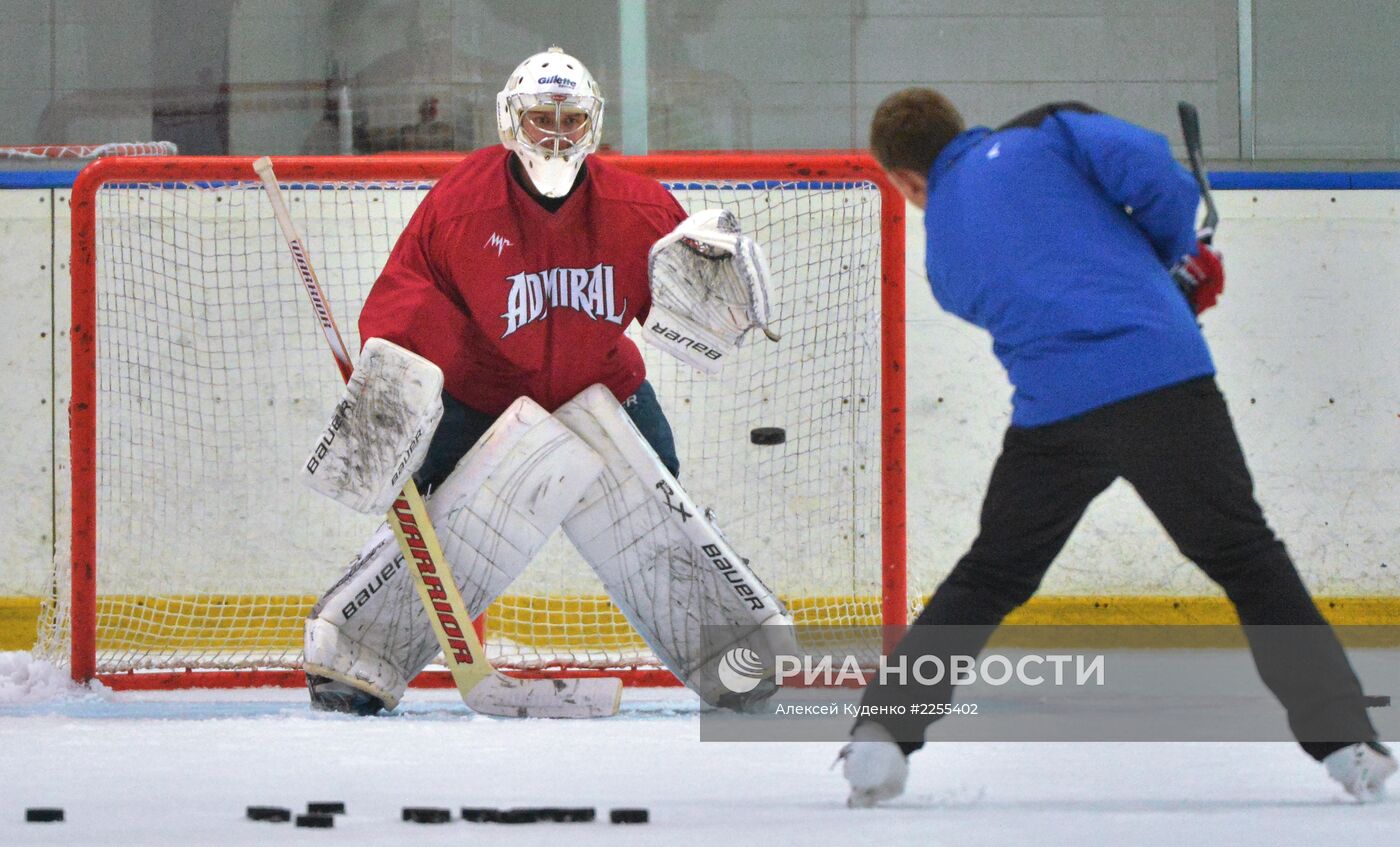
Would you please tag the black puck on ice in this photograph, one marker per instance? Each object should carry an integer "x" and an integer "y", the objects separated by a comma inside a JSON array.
[
  {"x": 479, "y": 814},
  {"x": 273, "y": 814},
  {"x": 419, "y": 814},
  {"x": 518, "y": 816},
  {"x": 43, "y": 815},
  {"x": 316, "y": 821},
  {"x": 768, "y": 435},
  {"x": 560, "y": 814},
  {"x": 629, "y": 816},
  {"x": 325, "y": 808}
]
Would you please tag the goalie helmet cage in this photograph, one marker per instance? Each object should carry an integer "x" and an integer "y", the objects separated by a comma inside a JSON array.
[{"x": 200, "y": 380}]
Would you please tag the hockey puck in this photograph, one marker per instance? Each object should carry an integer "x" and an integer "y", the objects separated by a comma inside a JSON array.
[
  {"x": 418, "y": 814},
  {"x": 768, "y": 435},
  {"x": 273, "y": 814},
  {"x": 478, "y": 814},
  {"x": 43, "y": 815},
  {"x": 325, "y": 808},
  {"x": 1377, "y": 701},
  {"x": 568, "y": 815},
  {"x": 629, "y": 816},
  {"x": 316, "y": 821},
  {"x": 519, "y": 816}
]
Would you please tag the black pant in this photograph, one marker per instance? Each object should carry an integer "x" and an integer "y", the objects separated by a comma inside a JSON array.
[
  {"x": 462, "y": 426},
  {"x": 1178, "y": 448}
]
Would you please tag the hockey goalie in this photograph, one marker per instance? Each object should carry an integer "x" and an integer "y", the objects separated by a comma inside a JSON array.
[{"x": 496, "y": 374}]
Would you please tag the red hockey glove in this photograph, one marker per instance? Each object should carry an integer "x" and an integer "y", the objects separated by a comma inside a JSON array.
[{"x": 1201, "y": 277}]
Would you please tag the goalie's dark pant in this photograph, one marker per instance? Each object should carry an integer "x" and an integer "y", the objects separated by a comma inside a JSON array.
[
  {"x": 462, "y": 425},
  {"x": 1178, "y": 448}
]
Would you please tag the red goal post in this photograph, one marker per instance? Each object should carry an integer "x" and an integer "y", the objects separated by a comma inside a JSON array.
[{"x": 172, "y": 270}]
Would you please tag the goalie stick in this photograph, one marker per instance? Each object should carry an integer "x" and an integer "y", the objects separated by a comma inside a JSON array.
[{"x": 483, "y": 688}]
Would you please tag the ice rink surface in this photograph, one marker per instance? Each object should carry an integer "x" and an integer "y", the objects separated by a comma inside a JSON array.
[{"x": 179, "y": 768}]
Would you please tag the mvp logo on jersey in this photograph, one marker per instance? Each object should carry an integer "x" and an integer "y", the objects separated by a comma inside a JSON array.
[
  {"x": 500, "y": 242},
  {"x": 586, "y": 290}
]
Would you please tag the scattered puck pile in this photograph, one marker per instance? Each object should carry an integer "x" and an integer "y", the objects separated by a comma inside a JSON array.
[
  {"x": 322, "y": 815},
  {"x": 318, "y": 815}
]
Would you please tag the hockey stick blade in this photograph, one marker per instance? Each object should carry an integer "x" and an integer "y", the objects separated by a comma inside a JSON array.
[
  {"x": 482, "y": 687},
  {"x": 592, "y": 697},
  {"x": 1191, "y": 133}
]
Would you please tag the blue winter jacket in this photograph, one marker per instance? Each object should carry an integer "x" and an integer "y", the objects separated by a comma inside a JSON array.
[{"x": 1055, "y": 234}]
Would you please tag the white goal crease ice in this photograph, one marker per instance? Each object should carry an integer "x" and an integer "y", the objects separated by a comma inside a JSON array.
[{"x": 199, "y": 378}]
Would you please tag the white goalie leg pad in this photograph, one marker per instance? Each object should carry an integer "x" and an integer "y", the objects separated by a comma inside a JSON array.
[
  {"x": 665, "y": 563},
  {"x": 379, "y": 432},
  {"x": 492, "y": 514},
  {"x": 340, "y": 643}
]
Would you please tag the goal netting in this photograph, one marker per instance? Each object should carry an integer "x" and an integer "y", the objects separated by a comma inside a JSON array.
[
  {"x": 69, "y": 158},
  {"x": 201, "y": 379},
  {"x": 71, "y": 152}
]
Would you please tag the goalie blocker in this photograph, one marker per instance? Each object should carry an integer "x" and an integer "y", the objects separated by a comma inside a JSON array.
[
  {"x": 665, "y": 563},
  {"x": 379, "y": 433}
]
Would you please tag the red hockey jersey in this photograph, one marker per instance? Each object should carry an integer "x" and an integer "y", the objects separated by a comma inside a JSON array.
[{"x": 510, "y": 299}]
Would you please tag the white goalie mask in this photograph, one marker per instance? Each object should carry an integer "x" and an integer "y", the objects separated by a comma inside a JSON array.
[{"x": 550, "y": 114}]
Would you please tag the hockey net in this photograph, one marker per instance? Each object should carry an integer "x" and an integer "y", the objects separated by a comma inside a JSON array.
[{"x": 200, "y": 379}]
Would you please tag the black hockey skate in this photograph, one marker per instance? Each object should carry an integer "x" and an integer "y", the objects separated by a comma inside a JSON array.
[{"x": 331, "y": 695}]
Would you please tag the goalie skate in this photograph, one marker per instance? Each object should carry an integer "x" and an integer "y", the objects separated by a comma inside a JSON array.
[{"x": 332, "y": 695}]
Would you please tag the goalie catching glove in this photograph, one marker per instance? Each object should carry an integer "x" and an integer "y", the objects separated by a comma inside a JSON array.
[
  {"x": 379, "y": 432},
  {"x": 709, "y": 287}
]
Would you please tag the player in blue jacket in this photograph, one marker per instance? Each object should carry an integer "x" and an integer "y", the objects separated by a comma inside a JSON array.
[{"x": 1058, "y": 233}]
